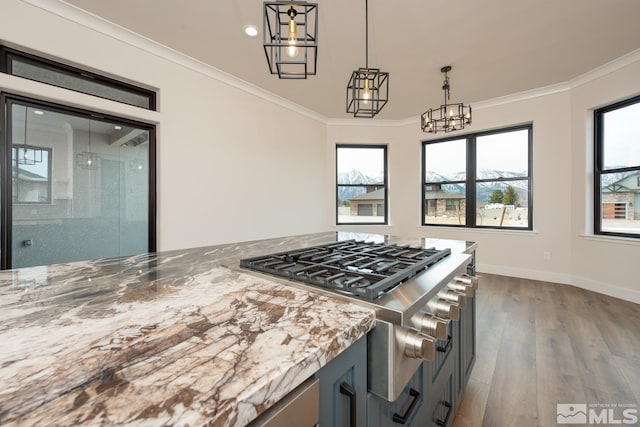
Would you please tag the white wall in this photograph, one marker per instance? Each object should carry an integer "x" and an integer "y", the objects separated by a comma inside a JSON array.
[
  {"x": 231, "y": 165},
  {"x": 235, "y": 164},
  {"x": 551, "y": 176},
  {"x": 604, "y": 264},
  {"x": 562, "y": 184}
]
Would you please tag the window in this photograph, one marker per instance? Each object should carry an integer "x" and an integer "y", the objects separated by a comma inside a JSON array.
[
  {"x": 43, "y": 70},
  {"x": 361, "y": 184},
  {"x": 617, "y": 169},
  {"x": 80, "y": 186},
  {"x": 479, "y": 180}
]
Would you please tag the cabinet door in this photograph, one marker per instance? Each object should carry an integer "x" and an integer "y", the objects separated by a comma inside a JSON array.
[
  {"x": 405, "y": 411},
  {"x": 445, "y": 350},
  {"x": 467, "y": 346},
  {"x": 439, "y": 401},
  {"x": 343, "y": 388}
]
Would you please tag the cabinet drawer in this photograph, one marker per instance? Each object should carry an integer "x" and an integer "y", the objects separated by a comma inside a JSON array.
[
  {"x": 404, "y": 411},
  {"x": 299, "y": 408},
  {"x": 440, "y": 401},
  {"x": 343, "y": 388}
]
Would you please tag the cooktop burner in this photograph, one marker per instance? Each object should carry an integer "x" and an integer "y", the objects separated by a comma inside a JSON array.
[{"x": 362, "y": 269}]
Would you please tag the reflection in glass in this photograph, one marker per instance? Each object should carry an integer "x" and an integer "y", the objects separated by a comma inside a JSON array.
[
  {"x": 65, "y": 209},
  {"x": 31, "y": 174},
  {"x": 38, "y": 72}
]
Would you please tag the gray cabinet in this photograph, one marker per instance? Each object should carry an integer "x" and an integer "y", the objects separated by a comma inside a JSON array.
[
  {"x": 467, "y": 347},
  {"x": 406, "y": 410},
  {"x": 343, "y": 388}
]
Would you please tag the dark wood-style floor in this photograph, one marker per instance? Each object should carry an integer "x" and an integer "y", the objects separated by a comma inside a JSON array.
[{"x": 540, "y": 344}]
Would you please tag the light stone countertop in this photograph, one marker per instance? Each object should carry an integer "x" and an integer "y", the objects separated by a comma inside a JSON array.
[{"x": 178, "y": 338}]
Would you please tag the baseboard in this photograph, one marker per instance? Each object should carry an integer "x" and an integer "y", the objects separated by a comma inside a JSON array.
[
  {"x": 632, "y": 295},
  {"x": 627, "y": 294}
]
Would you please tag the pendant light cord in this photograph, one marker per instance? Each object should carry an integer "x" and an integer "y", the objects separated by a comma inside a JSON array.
[{"x": 366, "y": 33}]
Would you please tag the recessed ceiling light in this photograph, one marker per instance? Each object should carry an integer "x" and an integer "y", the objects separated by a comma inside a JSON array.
[
  {"x": 38, "y": 112},
  {"x": 250, "y": 30},
  {"x": 117, "y": 127}
]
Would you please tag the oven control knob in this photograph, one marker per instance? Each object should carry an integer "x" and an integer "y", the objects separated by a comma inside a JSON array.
[
  {"x": 454, "y": 297},
  {"x": 430, "y": 325},
  {"x": 466, "y": 279},
  {"x": 419, "y": 346},
  {"x": 462, "y": 288},
  {"x": 444, "y": 309}
]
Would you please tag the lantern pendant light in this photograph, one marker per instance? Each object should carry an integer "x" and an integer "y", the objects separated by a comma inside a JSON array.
[
  {"x": 368, "y": 88},
  {"x": 290, "y": 38},
  {"x": 447, "y": 117}
]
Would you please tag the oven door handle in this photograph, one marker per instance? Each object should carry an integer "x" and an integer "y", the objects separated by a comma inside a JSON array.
[
  {"x": 348, "y": 390},
  {"x": 402, "y": 419},
  {"x": 446, "y": 347}
]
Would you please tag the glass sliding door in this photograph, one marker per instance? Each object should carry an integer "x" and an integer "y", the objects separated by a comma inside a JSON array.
[{"x": 80, "y": 185}]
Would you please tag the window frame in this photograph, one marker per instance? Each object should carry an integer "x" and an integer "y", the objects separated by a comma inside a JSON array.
[
  {"x": 6, "y": 202},
  {"x": 471, "y": 181},
  {"x": 598, "y": 166},
  {"x": 385, "y": 183},
  {"x": 7, "y": 53}
]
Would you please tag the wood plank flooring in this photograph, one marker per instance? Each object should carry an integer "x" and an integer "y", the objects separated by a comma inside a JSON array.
[{"x": 540, "y": 344}]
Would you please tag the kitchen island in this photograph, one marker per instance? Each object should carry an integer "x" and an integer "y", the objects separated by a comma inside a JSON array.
[
  {"x": 181, "y": 337},
  {"x": 173, "y": 338}
]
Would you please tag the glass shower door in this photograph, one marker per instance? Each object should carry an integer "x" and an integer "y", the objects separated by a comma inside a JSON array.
[{"x": 79, "y": 186}]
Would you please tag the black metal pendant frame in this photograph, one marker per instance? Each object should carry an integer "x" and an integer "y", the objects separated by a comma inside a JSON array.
[
  {"x": 276, "y": 40},
  {"x": 378, "y": 86},
  {"x": 368, "y": 88},
  {"x": 448, "y": 117}
]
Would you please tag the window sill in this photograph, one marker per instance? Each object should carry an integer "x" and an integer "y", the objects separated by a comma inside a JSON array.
[
  {"x": 612, "y": 239},
  {"x": 524, "y": 233}
]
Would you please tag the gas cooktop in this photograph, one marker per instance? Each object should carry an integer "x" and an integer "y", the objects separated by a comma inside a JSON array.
[{"x": 356, "y": 268}]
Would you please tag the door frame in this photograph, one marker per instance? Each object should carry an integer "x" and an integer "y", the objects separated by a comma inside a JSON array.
[{"x": 6, "y": 213}]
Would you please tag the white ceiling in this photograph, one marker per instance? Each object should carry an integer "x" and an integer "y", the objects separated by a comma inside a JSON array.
[{"x": 496, "y": 47}]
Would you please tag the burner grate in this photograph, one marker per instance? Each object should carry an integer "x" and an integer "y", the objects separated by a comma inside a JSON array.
[{"x": 358, "y": 268}]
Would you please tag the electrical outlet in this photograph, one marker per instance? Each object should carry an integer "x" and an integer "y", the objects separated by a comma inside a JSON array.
[{"x": 546, "y": 255}]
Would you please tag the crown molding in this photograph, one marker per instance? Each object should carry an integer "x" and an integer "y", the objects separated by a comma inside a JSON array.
[
  {"x": 605, "y": 69},
  {"x": 101, "y": 25},
  {"x": 522, "y": 96},
  {"x": 108, "y": 28},
  {"x": 374, "y": 122}
]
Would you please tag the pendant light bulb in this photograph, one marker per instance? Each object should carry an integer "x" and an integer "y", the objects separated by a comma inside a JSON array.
[
  {"x": 292, "y": 48},
  {"x": 366, "y": 91}
]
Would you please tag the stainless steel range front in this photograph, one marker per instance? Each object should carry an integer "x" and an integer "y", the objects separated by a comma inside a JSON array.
[{"x": 415, "y": 292}]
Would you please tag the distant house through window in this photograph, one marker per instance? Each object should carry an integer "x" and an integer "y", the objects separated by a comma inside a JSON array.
[
  {"x": 361, "y": 184},
  {"x": 617, "y": 169},
  {"x": 479, "y": 180}
]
